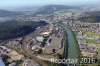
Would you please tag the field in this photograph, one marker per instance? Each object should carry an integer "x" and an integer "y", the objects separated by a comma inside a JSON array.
[
  {"x": 55, "y": 43},
  {"x": 98, "y": 50},
  {"x": 90, "y": 41},
  {"x": 91, "y": 34}
]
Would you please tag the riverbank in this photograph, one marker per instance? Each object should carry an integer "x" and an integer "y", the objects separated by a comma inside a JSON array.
[{"x": 65, "y": 54}]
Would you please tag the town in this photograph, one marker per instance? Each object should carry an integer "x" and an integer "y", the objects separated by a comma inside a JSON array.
[{"x": 64, "y": 36}]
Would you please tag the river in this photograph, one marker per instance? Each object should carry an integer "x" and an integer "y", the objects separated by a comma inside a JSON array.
[{"x": 72, "y": 50}]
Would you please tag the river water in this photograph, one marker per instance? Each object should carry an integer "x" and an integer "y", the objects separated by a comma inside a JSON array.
[{"x": 72, "y": 50}]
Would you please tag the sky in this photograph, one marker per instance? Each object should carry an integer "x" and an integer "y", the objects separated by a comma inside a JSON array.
[{"x": 22, "y": 3}]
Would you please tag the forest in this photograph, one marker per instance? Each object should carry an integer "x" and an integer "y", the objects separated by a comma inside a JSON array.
[{"x": 13, "y": 29}]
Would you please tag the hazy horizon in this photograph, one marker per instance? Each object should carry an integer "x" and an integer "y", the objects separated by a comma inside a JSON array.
[{"x": 11, "y": 4}]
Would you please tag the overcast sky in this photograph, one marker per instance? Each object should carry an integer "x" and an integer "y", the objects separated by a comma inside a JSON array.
[{"x": 21, "y": 3}]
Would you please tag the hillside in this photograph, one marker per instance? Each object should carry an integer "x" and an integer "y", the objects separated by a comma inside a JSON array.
[
  {"x": 13, "y": 29},
  {"x": 4, "y": 13},
  {"x": 49, "y": 9},
  {"x": 90, "y": 16}
]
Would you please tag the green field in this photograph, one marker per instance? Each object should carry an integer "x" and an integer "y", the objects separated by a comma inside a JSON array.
[
  {"x": 82, "y": 29},
  {"x": 98, "y": 50},
  {"x": 91, "y": 34},
  {"x": 92, "y": 41}
]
